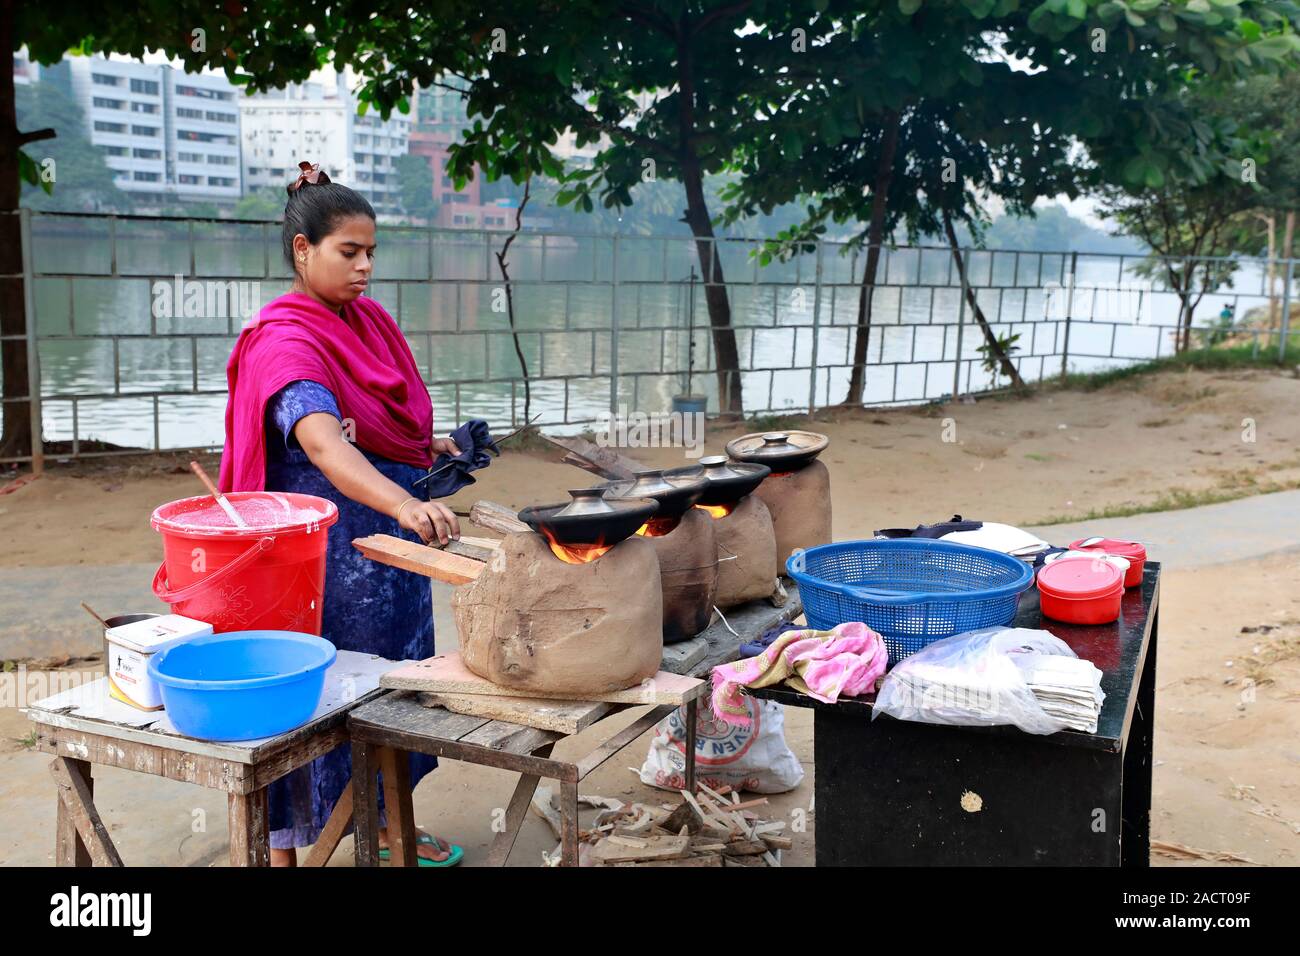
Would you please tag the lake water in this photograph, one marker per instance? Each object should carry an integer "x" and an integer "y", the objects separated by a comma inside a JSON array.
[{"x": 144, "y": 376}]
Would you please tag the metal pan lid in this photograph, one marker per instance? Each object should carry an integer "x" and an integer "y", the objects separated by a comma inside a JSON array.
[
  {"x": 676, "y": 490},
  {"x": 729, "y": 481},
  {"x": 784, "y": 451},
  {"x": 589, "y": 518}
]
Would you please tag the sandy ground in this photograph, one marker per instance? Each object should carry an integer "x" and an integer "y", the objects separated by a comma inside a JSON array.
[
  {"x": 1227, "y": 776},
  {"x": 1060, "y": 456}
]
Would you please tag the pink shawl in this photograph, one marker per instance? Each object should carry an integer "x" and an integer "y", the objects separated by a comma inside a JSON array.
[{"x": 361, "y": 357}]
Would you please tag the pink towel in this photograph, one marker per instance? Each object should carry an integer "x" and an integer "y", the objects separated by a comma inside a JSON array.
[{"x": 823, "y": 664}]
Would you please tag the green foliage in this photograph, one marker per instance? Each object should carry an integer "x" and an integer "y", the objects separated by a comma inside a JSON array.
[
  {"x": 1006, "y": 345},
  {"x": 416, "y": 183}
]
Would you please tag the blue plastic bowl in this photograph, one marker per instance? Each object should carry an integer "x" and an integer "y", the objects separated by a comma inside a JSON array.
[{"x": 242, "y": 685}]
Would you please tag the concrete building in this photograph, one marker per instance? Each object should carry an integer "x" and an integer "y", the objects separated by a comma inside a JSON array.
[
  {"x": 317, "y": 122},
  {"x": 166, "y": 134}
]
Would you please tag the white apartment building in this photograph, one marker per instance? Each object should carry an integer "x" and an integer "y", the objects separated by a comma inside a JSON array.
[
  {"x": 167, "y": 134},
  {"x": 317, "y": 122}
]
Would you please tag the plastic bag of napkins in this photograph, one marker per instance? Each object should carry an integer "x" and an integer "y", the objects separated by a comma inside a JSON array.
[{"x": 985, "y": 678}]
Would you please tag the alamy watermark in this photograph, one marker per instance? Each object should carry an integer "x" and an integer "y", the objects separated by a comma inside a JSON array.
[
  {"x": 660, "y": 430},
  {"x": 204, "y": 298}
]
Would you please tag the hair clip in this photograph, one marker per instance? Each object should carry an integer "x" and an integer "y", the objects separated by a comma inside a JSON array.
[{"x": 311, "y": 174}]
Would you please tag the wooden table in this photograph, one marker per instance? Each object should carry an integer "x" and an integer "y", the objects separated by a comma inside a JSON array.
[
  {"x": 892, "y": 792},
  {"x": 385, "y": 730},
  {"x": 82, "y": 727}
]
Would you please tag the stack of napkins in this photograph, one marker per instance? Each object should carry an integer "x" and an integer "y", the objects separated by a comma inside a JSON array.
[{"x": 1067, "y": 688}]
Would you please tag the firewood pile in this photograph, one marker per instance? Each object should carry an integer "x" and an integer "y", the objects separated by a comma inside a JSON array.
[{"x": 712, "y": 828}]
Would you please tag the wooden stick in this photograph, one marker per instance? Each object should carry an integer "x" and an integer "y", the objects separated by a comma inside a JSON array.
[
  {"x": 495, "y": 517},
  {"x": 91, "y": 612},
  {"x": 226, "y": 506}
]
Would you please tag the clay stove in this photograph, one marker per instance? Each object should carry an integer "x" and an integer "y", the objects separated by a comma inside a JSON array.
[
  {"x": 574, "y": 606},
  {"x": 747, "y": 566},
  {"x": 686, "y": 545},
  {"x": 797, "y": 492}
]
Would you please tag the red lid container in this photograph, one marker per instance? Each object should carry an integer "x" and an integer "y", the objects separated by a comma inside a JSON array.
[
  {"x": 1081, "y": 591},
  {"x": 1133, "y": 550}
]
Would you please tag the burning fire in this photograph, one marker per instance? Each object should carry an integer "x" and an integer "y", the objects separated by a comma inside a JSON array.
[
  {"x": 718, "y": 511},
  {"x": 658, "y": 527},
  {"x": 576, "y": 553}
]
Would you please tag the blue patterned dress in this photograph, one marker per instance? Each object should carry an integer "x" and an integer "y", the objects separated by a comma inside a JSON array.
[{"x": 368, "y": 607}]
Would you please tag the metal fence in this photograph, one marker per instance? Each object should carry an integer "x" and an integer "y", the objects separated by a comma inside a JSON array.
[{"x": 131, "y": 319}]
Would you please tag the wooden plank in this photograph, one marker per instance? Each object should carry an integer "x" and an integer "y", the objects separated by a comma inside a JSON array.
[
  {"x": 656, "y": 848},
  {"x": 419, "y": 558},
  {"x": 77, "y": 802},
  {"x": 395, "y": 768},
  {"x": 300, "y": 754},
  {"x": 567, "y": 717},
  {"x": 516, "y": 811},
  {"x": 330, "y": 838},
  {"x": 602, "y": 461},
  {"x": 365, "y": 803},
  {"x": 495, "y": 517},
  {"x": 446, "y": 673},
  {"x": 621, "y": 739},
  {"x": 709, "y": 859},
  {"x": 207, "y": 772},
  {"x": 402, "y": 713},
  {"x": 510, "y": 738},
  {"x": 466, "y": 548},
  {"x": 569, "y": 822},
  {"x": 749, "y": 621},
  {"x": 248, "y": 817},
  {"x": 69, "y": 848}
]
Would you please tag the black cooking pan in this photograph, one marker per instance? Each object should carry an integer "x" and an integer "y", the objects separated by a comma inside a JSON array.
[
  {"x": 589, "y": 519},
  {"x": 729, "y": 481},
  {"x": 676, "y": 490}
]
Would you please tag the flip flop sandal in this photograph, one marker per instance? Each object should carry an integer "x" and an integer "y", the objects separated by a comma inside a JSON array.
[{"x": 455, "y": 856}]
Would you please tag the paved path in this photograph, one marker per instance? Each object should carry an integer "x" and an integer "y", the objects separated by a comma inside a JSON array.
[
  {"x": 40, "y": 615},
  {"x": 1195, "y": 537}
]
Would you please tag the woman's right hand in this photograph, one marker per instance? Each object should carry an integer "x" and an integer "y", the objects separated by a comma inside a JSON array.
[{"x": 431, "y": 521}]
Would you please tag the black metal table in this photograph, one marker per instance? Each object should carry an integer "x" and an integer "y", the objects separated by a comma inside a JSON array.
[{"x": 893, "y": 792}]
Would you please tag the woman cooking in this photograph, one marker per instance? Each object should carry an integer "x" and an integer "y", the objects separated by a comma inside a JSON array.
[{"x": 326, "y": 399}]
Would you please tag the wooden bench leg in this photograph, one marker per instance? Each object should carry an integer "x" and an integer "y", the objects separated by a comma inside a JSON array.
[
  {"x": 692, "y": 715},
  {"x": 365, "y": 803},
  {"x": 568, "y": 823},
  {"x": 395, "y": 765},
  {"x": 250, "y": 835},
  {"x": 80, "y": 837},
  {"x": 335, "y": 827},
  {"x": 516, "y": 811}
]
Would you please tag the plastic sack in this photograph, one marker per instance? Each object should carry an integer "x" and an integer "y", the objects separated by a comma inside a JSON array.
[
  {"x": 972, "y": 679},
  {"x": 753, "y": 758}
]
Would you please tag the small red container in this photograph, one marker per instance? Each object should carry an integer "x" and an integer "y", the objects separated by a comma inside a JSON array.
[
  {"x": 1133, "y": 550},
  {"x": 1081, "y": 591}
]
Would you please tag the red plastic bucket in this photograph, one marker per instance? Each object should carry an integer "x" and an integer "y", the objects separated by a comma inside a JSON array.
[{"x": 268, "y": 576}]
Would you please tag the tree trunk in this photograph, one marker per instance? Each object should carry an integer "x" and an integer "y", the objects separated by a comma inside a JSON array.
[
  {"x": 1288, "y": 236},
  {"x": 1271, "y": 222},
  {"x": 16, "y": 437},
  {"x": 503, "y": 264},
  {"x": 875, "y": 239},
  {"x": 995, "y": 348},
  {"x": 715, "y": 291},
  {"x": 727, "y": 356}
]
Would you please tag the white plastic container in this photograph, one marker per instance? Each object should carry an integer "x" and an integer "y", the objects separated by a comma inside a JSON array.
[{"x": 128, "y": 647}]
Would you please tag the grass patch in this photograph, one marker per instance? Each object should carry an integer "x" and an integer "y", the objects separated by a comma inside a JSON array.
[
  {"x": 1034, "y": 456},
  {"x": 28, "y": 742},
  {"x": 1221, "y": 359},
  {"x": 1176, "y": 499},
  {"x": 776, "y": 423}
]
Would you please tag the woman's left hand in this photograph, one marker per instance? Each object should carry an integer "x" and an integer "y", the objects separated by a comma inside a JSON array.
[{"x": 442, "y": 446}]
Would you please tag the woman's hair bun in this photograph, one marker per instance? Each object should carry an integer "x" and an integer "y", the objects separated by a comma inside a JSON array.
[{"x": 310, "y": 175}]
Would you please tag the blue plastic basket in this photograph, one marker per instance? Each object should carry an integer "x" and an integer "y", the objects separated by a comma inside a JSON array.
[
  {"x": 912, "y": 591},
  {"x": 242, "y": 685}
]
